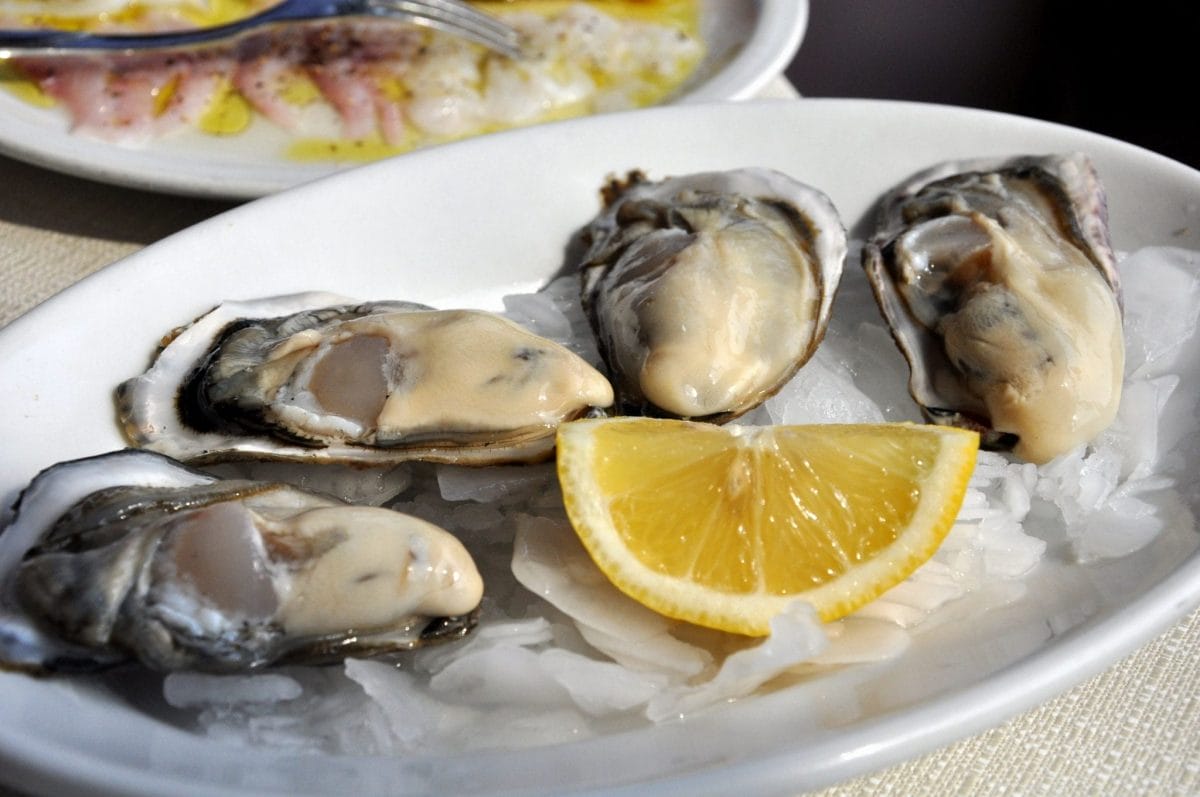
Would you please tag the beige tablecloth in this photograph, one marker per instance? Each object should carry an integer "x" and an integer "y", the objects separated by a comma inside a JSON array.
[{"x": 1134, "y": 729}]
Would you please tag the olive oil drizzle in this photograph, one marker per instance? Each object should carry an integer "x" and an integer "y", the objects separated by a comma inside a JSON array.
[{"x": 229, "y": 113}]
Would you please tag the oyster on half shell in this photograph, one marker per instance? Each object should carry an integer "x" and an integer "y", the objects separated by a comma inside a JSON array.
[
  {"x": 319, "y": 378},
  {"x": 707, "y": 292},
  {"x": 1000, "y": 286},
  {"x": 133, "y": 555}
]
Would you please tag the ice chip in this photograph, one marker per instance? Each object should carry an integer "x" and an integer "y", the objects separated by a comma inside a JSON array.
[
  {"x": 822, "y": 392},
  {"x": 549, "y": 560},
  {"x": 538, "y": 313},
  {"x": 192, "y": 689},
  {"x": 796, "y": 636},
  {"x": 501, "y": 675},
  {"x": 458, "y": 483},
  {"x": 1161, "y": 289},
  {"x": 599, "y": 687}
]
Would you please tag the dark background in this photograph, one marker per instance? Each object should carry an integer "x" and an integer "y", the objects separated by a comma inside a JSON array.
[{"x": 1131, "y": 72}]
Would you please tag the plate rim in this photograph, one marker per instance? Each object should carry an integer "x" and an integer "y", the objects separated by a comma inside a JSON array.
[
  {"x": 23, "y": 128},
  {"x": 1168, "y": 601}
]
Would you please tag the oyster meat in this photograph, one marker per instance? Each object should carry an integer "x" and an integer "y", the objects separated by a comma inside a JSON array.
[
  {"x": 707, "y": 292},
  {"x": 1000, "y": 286},
  {"x": 133, "y": 555},
  {"x": 316, "y": 377}
]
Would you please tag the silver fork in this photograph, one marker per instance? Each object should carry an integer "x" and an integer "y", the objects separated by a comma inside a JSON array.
[{"x": 448, "y": 16}]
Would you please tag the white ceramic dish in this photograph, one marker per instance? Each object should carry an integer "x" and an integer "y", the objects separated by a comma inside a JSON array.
[
  {"x": 749, "y": 41},
  {"x": 466, "y": 224}
]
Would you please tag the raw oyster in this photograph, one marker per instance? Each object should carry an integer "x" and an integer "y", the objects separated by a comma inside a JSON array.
[
  {"x": 707, "y": 292},
  {"x": 316, "y": 377},
  {"x": 133, "y": 555},
  {"x": 1000, "y": 286}
]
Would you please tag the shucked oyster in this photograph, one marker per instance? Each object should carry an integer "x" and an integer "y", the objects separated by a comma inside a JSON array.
[
  {"x": 317, "y": 377},
  {"x": 133, "y": 555},
  {"x": 707, "y": 292},
  {"x": 1000, "y": 286}
]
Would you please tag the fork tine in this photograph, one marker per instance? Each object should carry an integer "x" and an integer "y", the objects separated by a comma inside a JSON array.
[
  {"x": 468, "y": 14},
  {"x": 465, "y": 18},
  {"x": 455, "y": 18}
]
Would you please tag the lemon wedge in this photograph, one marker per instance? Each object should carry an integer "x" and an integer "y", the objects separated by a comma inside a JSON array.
[{"x": 724, "y": 526}]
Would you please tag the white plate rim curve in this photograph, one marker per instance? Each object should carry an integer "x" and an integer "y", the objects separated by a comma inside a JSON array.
[
  {"x": 198, "y": 165},
  {"x": 717, "y": 135}
]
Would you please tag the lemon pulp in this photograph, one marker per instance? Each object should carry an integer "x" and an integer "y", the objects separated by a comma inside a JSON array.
[{"x": 723, "y": 526}]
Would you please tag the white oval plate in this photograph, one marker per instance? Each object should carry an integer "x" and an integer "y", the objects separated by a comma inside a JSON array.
[
  {"x": 749, "y": 43},
  {"x": 463, "y": 225}
]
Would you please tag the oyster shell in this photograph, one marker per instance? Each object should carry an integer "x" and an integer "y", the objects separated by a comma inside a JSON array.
[
  {"x": 133, "y": 555},
  {"x": 707, "y": 292},
  {"x": 1000, "y": 286},
  {"x": 316, "y": 377}
]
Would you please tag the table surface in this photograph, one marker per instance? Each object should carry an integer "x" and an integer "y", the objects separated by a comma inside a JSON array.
[{"x": 1133, "y": 729}]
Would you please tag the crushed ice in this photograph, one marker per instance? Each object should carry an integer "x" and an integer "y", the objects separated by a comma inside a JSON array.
[{"x": 561, "y": 654}]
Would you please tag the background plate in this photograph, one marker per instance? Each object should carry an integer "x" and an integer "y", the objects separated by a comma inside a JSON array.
[
  {"x": 465, "y": 224},
  {"x": 749, "y": 43}
]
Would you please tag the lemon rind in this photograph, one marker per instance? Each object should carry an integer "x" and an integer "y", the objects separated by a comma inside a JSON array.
[{"x": 751, "y": 614}]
